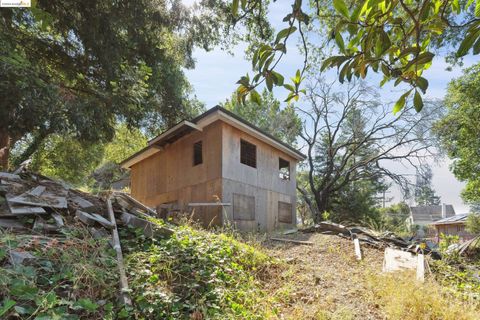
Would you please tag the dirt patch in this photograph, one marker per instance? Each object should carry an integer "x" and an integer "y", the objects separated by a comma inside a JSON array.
[{"x": 324, "y": 280}]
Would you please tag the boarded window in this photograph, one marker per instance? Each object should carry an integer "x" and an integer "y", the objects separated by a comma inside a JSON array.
[
  {"x": 284, "y": 212},
  {"x": 284, "y": 169},
  {"x": 197, "y": 153},
  {"x": 248, "y": 153},
  {"x": 243, "y": 207}
]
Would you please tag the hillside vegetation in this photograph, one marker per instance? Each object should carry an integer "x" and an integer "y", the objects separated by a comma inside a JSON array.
[{"x": 196, "y": 274}]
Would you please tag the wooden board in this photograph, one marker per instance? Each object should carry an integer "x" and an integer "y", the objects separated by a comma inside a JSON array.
[
  {"x": 243, "y": 207},
  {"x": 285, "y": 212}
]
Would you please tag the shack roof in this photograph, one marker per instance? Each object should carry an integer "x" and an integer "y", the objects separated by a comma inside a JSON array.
[
  {"x": 456, "y": 219},
  {"x": 430, "y": 214},
  {"x": 197, "y": 124}
]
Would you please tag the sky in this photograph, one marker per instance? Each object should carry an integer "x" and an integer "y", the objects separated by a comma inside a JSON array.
[{"x": 216, "y": 73}]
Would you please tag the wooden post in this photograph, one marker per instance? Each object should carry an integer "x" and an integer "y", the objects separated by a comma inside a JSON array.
[
  {"x": 125, "y": 299},
  {"x": 358, "y": 252}
]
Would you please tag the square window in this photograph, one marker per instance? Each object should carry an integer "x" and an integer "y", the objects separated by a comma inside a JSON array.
[
  {"x": 284, "y": 169},
  {"x": 248, "y": 153},
  {"x": 197, "y": 153}
]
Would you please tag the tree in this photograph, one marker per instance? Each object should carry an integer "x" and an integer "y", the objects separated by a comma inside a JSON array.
[
  {"x": 396, "y": 38},
  {"x": 424, "y": 193},
  {"x": 459, "y": 133},
  {"x": 473, "y": 223},
  {"x": 350, "y": 137},
  {"x": 267, "y": 114},
  {"x": 86, "y": 165},
  {"x": 79, "y": 67}
]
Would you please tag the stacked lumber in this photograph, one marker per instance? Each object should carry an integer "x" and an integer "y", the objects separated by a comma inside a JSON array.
[
  {"x": 36, "y": 205},
  {"x": 33, "y": 202}
]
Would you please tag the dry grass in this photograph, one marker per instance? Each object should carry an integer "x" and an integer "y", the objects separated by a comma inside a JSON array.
[{"x": 325, "y": 281}]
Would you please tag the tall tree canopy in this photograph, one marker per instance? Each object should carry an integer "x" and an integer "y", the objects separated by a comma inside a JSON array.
[
  {"x": 80, "y": 66},
  {"x": 395, "y": 38},
  {"x": 351, "y": 138},
  {"x": 424, "y": 192},
  {"x": 459, "y": 131}
]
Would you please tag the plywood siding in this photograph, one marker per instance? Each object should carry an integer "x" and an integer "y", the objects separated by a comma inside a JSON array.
[
  {"x": 262, "y": 182},
  {"x": 170, "y": 176}
]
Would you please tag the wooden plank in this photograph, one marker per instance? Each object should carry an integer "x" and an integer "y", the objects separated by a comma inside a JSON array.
[
  {"x": 285, "y": 212},
  {"x": 23, "y": 210},
  {"x": 37, "y": 191},
  {"x": 292, "y": 241},
  {"x": 358, "y": 252},
  {"x": 243, "y": 207},
  {"x": 45, "y": 200},
  {"x": 125, "y": 299},
  {"x": 9, "y": 176},
  {"x": 12, "y": 224}
]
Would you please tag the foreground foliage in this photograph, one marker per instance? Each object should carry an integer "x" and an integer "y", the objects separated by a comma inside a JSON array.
[{"x": 197, "y": 273}]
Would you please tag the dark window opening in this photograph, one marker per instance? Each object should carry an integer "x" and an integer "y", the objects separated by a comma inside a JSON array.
[
  {"x": 248, "y": 153},
  {"x": 197, "y": 153},
  {"x": 284, "y": 169}
]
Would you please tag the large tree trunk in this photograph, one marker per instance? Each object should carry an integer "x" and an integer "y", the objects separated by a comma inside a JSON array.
[
  {"x": 321, "y": 201},
  {"x": 5, "y": 145}
]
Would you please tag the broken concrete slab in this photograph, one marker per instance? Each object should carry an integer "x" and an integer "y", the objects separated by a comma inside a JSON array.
[{"x": 398, "y": 260}]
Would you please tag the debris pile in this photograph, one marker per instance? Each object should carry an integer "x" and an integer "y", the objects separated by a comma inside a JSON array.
[
  {"x": 369, "y": 237},
  {"x": 38, "y": 206}
]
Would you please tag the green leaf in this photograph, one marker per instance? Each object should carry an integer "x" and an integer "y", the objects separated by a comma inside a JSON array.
[
  {"x": 339, "y": 41},
  {"x": 422, "y": 83},
  {"x": 417, "y": 101},
  {"x": 255, "y": 97},
  {"x": 341, "y": 8},
  {"x": 477, "y": 8},
  {"x": 235, "y": 7},
  {"x": 269, "y": 81},
  {"x": 279, "y": 79},
  {"x": 468, "y": 42},
  {"x": 7, "y": 305},
  {"x": 85, "y": 304},
  {"x": 285, "y": 33},
  {"x": 400, "y": 102}
]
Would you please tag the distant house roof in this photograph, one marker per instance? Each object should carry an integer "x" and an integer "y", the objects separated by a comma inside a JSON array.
[
  {"x": 456, "y": 219},
  {"x": 197, "y": 124},
  {"x": 430, "y": 214}
]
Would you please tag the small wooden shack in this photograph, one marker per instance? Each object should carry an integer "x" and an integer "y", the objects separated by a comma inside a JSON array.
[
  {"x": 222, "y": 168},
  {"x": 454, "y": 226}
]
